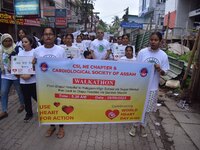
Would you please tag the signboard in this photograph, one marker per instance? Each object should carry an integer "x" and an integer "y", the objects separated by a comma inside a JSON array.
[
  {"x": 49, "y": 11},
  {"x": 131, "y": 25},
  {"x": 91, "y": 91},
  {"x": 27, "y": 8},
  {"x": 22, "y": 65},
  {"x": 60, "y": 21},
  {"x": 60, "y": 13},
  {"x": 9, "y": 19}
]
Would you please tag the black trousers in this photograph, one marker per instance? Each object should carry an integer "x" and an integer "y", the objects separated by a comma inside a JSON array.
[{"x": 29, "y": 91}]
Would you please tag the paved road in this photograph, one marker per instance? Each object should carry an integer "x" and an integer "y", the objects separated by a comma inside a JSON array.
[{"x": 17, "y": 135}]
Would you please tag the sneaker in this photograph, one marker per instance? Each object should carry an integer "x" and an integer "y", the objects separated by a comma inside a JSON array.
[
  {"x": 27, "y": 118},
  {"x": 132, "y": 131},
  {"x": 20, "y": 109},
  {"x": 143, "y": 132},
  {"x": 3, "y": 115}
]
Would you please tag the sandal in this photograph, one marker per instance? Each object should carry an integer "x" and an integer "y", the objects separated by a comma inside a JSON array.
[
  {"x": 61, "y": 133},
  {"x": 50, "y": 131}
]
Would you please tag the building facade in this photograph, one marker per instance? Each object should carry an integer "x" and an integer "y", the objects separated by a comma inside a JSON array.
[
  {"x": 152, "y": 12},
  {"x": 183, "y": 16},
  {"x": 64, "y": 15}
]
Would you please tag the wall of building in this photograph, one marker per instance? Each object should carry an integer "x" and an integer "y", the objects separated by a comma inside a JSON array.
[{"x": 182, "y": 14}]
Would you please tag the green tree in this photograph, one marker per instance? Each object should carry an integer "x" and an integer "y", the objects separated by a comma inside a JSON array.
[
  {"x": 102, "y": 25},
  {"x": 113, "y": 28}
]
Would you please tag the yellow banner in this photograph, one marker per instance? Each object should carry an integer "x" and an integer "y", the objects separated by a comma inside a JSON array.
[{"x": 91, "y": 91}]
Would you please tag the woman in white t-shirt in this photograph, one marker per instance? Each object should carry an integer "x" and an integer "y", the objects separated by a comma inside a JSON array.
[
  {"x": 80, "y": 45},
  {"x": 128, "y": 54},
  {"x": 71, "y": 51},
  {"x": 159, "y": 58},
  {"x": 28, "y": 81}
]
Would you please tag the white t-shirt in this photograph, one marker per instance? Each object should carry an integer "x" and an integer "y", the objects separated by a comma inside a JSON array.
[
  {"x": 86, "y": 43},
  {"x": 100, "y": 48},
  {"x": 32, "y": 79},
  {"x": 155, "y": 57},
  {"x": 119, "y": 51},
  {"x": 54, "y": 52},
  {"x": 71, "y": 51},
  {"x": 124, "y": 58},
  {"x": 81, "y": 48}
]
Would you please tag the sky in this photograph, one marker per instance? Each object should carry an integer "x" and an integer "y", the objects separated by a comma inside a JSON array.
[{"x": 110, "y": 8}]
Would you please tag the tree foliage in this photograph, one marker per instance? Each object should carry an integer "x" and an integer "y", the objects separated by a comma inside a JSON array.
[
  {"x": 113, "y": 28},
  {"x": 102, "y": 25}
]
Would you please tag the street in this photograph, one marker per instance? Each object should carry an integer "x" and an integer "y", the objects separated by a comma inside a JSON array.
[{"x": 17, "y": 135}]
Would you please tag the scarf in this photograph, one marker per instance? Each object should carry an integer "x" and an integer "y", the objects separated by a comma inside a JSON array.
[{"x": 3, "y": 49}]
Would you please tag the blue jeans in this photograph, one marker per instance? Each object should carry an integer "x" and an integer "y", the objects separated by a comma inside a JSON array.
[{"x": 6, "y": 85}]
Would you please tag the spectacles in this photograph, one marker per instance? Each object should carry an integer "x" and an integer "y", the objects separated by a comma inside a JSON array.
[
  {"x": 48, "y": 34},
  {"x": 100, "y": 32}
]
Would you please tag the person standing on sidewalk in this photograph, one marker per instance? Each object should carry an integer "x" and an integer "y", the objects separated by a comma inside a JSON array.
[
  {"x": 50, "y": 50},
  {"x": 159, "y": 58},
  {"x": 7, "y": 50},
  {"x": 28, "y": 81}
]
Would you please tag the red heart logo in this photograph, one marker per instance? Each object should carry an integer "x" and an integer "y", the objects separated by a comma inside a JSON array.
[
  {"x": 112, "y": 114},
  {"x": 14, "y": 70},
  {"x": 56, "y": 104},
  {"x": 67, "y": 109}
]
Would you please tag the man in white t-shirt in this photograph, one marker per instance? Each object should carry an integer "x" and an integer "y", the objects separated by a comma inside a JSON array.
[
  {"x": 50, "y": 50},
  {"x": 100, "y": 47}
]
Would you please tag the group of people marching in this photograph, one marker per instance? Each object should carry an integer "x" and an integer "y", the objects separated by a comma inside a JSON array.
[{"x": 99, "y": 48}]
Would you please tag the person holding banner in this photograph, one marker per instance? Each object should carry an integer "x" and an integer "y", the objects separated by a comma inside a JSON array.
[
  {"x": 152, "y": 54},
  {"x": 28, "y": 81},
  {"x": 128, "y": 54},
  {"x": 50, "y": 50},
  {"x": 100, "y": 47},
  {"x": 7, "y": 50}
]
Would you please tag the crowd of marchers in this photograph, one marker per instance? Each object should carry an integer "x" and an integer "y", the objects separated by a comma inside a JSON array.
[{"x": 73, "y": 47}]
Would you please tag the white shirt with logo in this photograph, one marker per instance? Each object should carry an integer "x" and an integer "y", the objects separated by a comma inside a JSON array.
[
  {"x": 100, "y": 48},
  {"x": 155, "y": 57}
]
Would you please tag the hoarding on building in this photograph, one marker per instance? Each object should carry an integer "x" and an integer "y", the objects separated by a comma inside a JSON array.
[
  {"x": 27, "y": 8},
  {"x": 9, "y": 19},
  {"x": 49, "y": 11}
]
